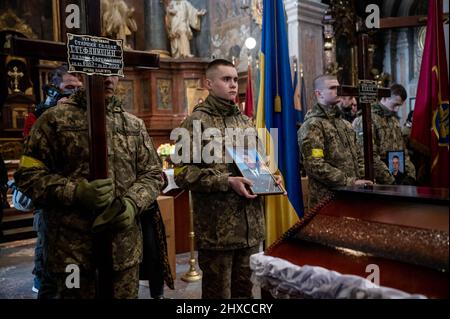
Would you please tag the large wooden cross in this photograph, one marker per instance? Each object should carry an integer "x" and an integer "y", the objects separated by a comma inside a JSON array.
[
  {"x": 407, "y": 21},
  {"x": 364, "y": 91},
  {"x": 363, "y": 62},
  {"x": 47, "y": 50}
]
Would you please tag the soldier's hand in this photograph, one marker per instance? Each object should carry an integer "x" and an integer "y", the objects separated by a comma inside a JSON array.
[
  {"x": 119, "y": 215},
  {"x": 126, "y": 218},
  {"x": 104, "y": 220},
  {"x": 96, "y": 194},
  {"x": 238, "y": 184},
  {"x": 363, "y": 182},
  {"x": 279, "y": 182}
]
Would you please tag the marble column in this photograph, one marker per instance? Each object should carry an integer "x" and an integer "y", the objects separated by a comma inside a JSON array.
[
  {"x": 387, "y": 63},
  {"x": 403, "y": 74},
  {"x": 156, "y": 39},
  {"x": 200, "y": 43},
  {"x": 304, "y": 20}
]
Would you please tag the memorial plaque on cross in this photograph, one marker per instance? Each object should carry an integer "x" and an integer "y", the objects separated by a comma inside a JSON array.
[
  {"x": 368, "y": 93},
  {"x": 47, "y": 50}
]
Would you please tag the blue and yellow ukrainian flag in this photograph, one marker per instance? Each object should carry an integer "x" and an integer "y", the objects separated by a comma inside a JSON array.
[{"x": 276, "y": 111}]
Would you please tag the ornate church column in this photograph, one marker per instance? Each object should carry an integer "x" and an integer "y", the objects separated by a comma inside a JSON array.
[
  {"x": 155, "y": 28},
  {"x": 403, "y": 71},
  {"x": 304, "y": 19},
  {"x": 200, "y": 44}
]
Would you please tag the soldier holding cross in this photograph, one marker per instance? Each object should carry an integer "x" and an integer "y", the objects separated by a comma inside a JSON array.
[
  {"x": 54, "y": 172},
  {"x": 328, "y": 146},
  {"x": 387, "y": 133},
  {"x": 91, "y": 137}
]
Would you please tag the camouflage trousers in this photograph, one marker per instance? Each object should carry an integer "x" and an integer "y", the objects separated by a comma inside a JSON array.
[
  {"x": 39, "y": 228},
  {"x": 226, "y": 273},
  {"x": 125, "y": 285}
]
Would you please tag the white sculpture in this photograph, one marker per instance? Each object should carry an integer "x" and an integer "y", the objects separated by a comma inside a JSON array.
[
  {"x": 117, "y": 20},
  {"x": 181, "y": 16}
]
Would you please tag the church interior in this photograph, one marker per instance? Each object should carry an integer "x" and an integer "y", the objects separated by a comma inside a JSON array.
[{"x": 322, "y": 39}]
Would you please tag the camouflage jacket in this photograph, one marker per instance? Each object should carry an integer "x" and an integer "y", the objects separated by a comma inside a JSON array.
[
  {"x": 387, "y": 136},
  {"x": 222, "y": 218},
  {"x": 330, "y": 155},
  {"x": 56, "y": 157}
]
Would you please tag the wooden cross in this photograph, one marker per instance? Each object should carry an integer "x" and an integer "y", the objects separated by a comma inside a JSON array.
[
  {"x": 363, "y": 62},
  {"x": 406, "y": 22},
  {"x": 363, "y": 74},
  {"x": 96, "y": 119}
]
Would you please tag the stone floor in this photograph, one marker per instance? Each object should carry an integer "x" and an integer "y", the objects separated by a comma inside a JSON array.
[{"x": 16, "y": 280}]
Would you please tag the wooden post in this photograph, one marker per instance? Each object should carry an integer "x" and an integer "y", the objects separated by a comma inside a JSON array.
[
  {"x": 363, "y": 59},
  {"x": 364, "y": 98}
]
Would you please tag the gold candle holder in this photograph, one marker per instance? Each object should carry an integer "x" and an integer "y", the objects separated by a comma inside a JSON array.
[{"x": 192, "y": 274}]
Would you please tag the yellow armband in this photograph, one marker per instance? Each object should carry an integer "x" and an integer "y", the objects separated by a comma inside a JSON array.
[
  {"x": 179, "y": 170},
  {"x": 29, "y": 162},
  {"x": 317, "y": 153}
]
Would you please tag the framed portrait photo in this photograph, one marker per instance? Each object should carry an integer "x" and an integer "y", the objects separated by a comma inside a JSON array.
[
  {"x": 396, "y": 162},
  {"x": 252, "y": 166}
]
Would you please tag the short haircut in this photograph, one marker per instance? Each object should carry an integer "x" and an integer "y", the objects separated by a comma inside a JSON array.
[
  {"x": 396, "y": 156},
  {"x": 213, "y": 65},
  {"x": 320, "y": 80},
  {"x": 398, "y": 89},
  {"x": 57, "y": 76}
]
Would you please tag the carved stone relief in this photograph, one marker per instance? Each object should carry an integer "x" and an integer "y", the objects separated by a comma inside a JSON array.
[
  {"x": 164, "y": 94},
  {"x": 125, "y": 90},
  {"x": 145, "y": 84},
  {"x": 189, "y": 84}
]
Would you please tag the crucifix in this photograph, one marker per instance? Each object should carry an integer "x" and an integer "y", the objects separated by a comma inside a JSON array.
[
  {"x": 16, "y": 76},
  {"x": 367, "y": 93},
  {"x": 96, "y": 120}
]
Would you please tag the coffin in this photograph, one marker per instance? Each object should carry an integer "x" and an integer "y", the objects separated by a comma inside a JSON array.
[{"x": 377, "y": 242}]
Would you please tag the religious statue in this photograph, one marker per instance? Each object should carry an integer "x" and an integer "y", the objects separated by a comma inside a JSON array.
[
  {"x": 181, "y": 16},
  {"x": 117, "y": 20}
]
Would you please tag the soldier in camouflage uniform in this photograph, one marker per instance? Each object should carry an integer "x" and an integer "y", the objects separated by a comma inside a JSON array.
[
  {"x": 229, "y": 221},
  {"x": 348, "y": 108},
  {"x": 387, "y": 132},
  {"x": 54, "y": 172},
  {"x": 328, "y": 146}
]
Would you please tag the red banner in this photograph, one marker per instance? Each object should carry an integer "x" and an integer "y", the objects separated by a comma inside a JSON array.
[
  {"x": 249, "y": 94},
  {"x": 430, "y": 126}
]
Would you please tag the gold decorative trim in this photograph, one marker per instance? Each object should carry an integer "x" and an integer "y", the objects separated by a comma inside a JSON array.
[
  {"x": 257, "y": 12},
  {"x": 162, "y": 53},
  {"x": 10, "y": 58},
  {"x": 56, "y": 20},
  {"x": 10, "y": 22}
]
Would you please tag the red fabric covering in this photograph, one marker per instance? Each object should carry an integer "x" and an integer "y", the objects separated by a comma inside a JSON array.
[
  {"x": 29, "y": 121},
  {"x": 249, "y": 95}
]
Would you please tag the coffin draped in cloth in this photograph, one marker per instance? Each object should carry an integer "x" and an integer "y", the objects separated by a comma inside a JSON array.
[{"x": 377, "y": 242}]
